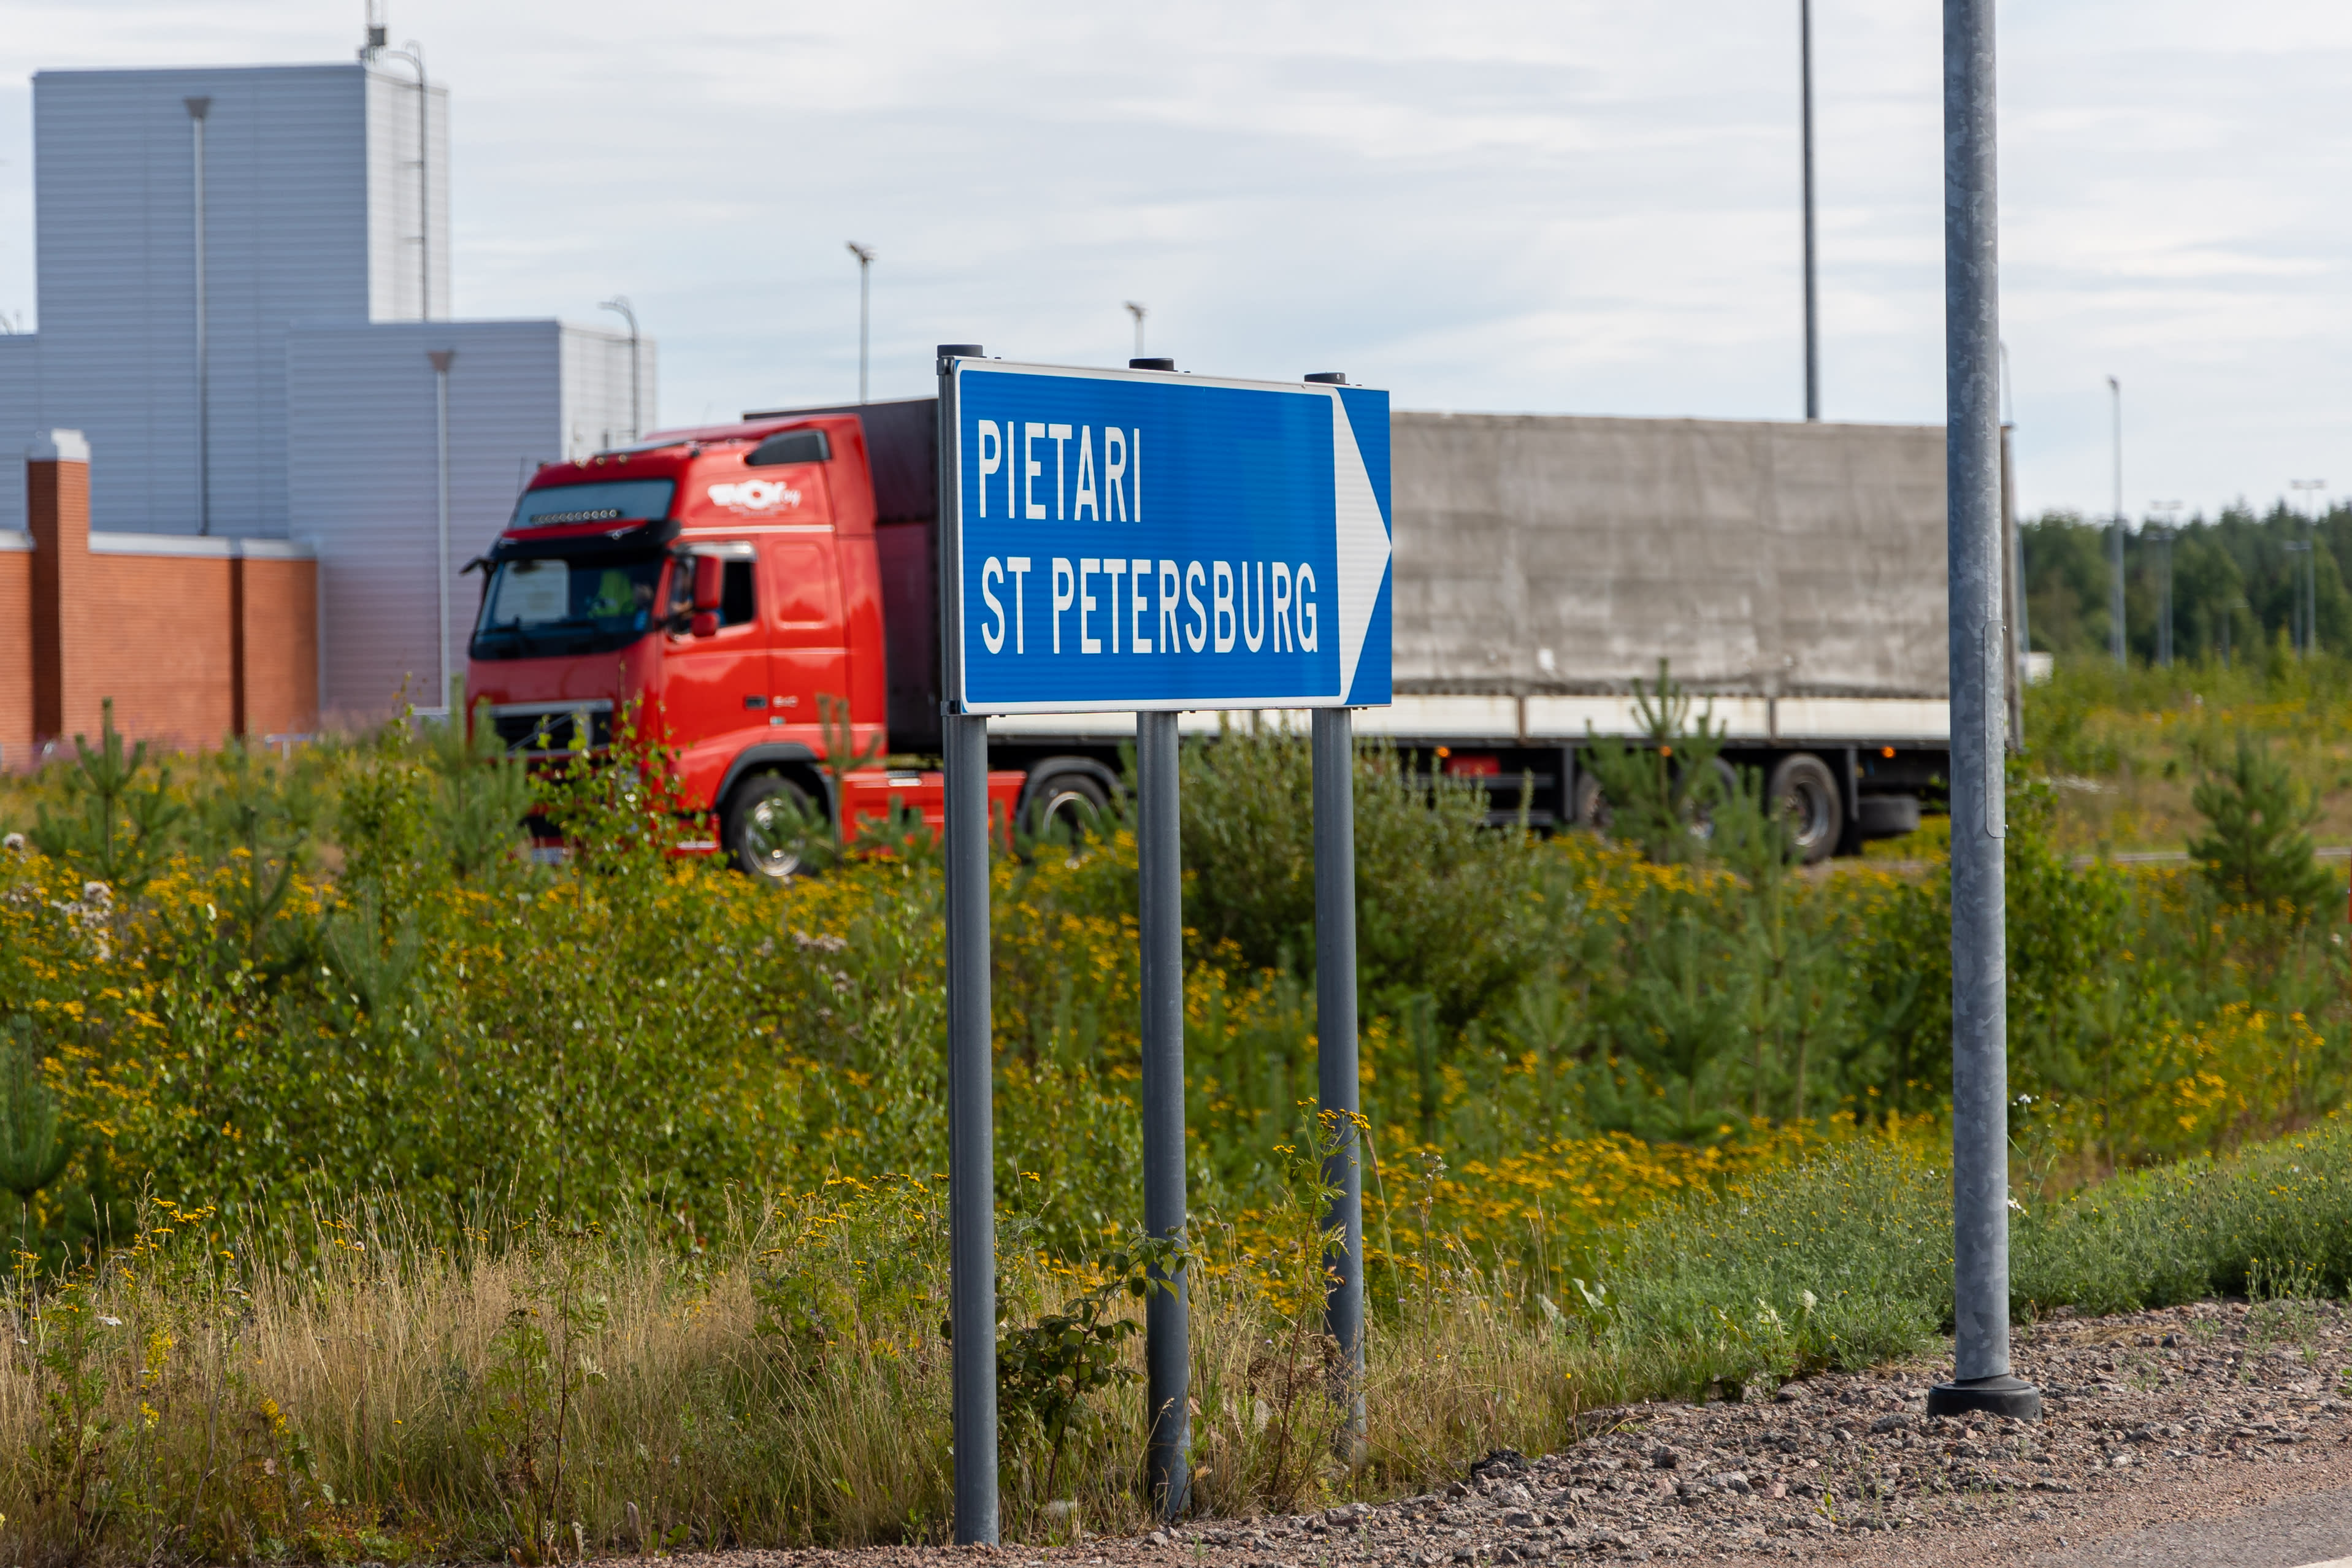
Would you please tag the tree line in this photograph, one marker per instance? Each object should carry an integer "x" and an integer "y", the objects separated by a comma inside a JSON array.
[{"x": 2235, "y": 584}]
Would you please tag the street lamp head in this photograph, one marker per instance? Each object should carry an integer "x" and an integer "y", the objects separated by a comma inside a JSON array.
[
  {"x": 1137, "y": 309},
  {"x": 864, "y": 253}
]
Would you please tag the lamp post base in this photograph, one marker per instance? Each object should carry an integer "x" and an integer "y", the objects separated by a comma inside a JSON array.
[{"x": 2003, "y": 1396}]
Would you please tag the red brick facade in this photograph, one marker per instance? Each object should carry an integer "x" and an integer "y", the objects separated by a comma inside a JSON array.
[{"x": 195, "y": 640}]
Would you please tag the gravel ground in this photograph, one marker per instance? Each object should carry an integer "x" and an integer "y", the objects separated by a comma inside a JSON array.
[{"x": 2192, "y": 1413}]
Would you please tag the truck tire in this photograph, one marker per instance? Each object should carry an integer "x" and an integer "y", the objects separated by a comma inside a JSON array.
[
  {"x": 766, "y": 825},
  {"x": 1071, "y": 803},
  {"x": 1889, "y": 816},
  {"x": 1589, "y": 811},
  {"x": 1804, "y": 793}
]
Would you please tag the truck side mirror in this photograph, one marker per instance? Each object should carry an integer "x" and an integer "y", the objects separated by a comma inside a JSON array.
[
  {"x": 710, "y": 592},
  {"x": 709, "y": 583}
]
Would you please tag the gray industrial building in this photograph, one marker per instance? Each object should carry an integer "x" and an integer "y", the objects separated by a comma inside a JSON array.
[{"x": 245, "y": 303}]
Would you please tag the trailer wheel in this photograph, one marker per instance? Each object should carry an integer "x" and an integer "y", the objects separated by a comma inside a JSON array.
[
  {"x": 1726, "y": 787},
  {"x": 1804, "y": 793},
  {"x": 1071, "y": 807},
  {"x": 768, "y": 825},
  {"x": 1591, "y": 809}
]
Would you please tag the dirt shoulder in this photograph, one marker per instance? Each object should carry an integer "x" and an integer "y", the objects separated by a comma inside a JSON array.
[{"x": 2156, "y": 1424}]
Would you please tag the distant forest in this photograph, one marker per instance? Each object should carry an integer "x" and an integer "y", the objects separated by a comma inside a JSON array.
[{"x": 2233, "y": 583}]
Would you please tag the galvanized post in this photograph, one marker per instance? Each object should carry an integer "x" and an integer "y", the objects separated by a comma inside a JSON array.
[
  {"x": 1812, "y": 315},
  {"x": 971, "y": 1154},
  {"x": 1981, "y": 1377},
  {"x": 1335, "y": 1063},
  {"x": 1161, "y": 867}
]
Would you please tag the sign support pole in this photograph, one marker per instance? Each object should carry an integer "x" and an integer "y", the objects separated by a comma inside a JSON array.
[
  {"x": 1337, "y": 1084},
  {"x": 972, "y": 1152},
  {"x": 1168, "y": 1337},
  {"x": 1025, "y": 630},
  {"x": 1981, "y": 1378}
]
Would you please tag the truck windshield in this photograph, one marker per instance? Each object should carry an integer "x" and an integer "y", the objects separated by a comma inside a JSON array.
[
  {"x": 552, "y": 607},
  {"x": 601, "y": 501}
]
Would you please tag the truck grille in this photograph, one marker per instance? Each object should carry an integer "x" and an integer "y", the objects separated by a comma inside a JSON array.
[{"x": 537, "y": 727}]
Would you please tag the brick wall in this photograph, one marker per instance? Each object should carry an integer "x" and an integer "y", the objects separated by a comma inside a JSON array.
[
  {"x": 16, "y": 655},
  {"x": 194, "y": 639},
  {"x": 281, "y": 613},
  {"x": 153, "y": 631}
]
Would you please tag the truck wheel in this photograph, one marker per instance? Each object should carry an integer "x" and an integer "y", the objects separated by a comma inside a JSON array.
[
  {"x": 1074, "y": 807},
  {"x": 767, "y": 827},
  {"x": 1703, "y": 809},
  {"x": 1590, "y": 811},
  {"x": 1804, "y": 793},
  {"x": 1888, "y": 816}
]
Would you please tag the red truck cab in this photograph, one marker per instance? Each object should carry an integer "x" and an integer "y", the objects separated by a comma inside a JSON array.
[{"x": 725, "y": 581}]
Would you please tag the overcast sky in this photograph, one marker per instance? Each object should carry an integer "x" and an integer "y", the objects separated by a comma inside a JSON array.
[{"x": 1561, "y": 207}]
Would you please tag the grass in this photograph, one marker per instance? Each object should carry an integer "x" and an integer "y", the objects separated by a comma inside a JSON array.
[
  {"x": 2125, "y": 749},
  {"x": 534, "y": 1391},
  {"x": 538, "y": 1389},
  {"x": 647, "y": 1269}
]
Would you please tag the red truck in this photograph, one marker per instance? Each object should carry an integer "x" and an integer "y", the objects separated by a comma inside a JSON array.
[
  {"x": 730, "y": 577},
  {"x": 737, "y": 581}
]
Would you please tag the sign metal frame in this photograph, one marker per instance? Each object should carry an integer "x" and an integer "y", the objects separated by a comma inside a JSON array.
[
  {"x": 971, "y": 1034},
  {"x": 1362, "y": 546}
]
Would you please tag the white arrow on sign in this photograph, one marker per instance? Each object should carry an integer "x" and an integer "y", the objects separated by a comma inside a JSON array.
[{"x": 1363, "y": 543}]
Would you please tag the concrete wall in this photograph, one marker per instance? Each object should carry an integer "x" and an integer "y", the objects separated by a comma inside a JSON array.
[
  {"x": 1557, "y": 555},
  {"x": 399, "y": 213},
  {"x": 596, "y": 392}
]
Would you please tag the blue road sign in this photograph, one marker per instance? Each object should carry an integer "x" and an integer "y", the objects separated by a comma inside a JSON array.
[{"x": 1143, "y": 541}]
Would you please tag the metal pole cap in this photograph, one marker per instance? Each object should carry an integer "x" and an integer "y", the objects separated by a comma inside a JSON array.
[{"x": 2006, "y": 1394}]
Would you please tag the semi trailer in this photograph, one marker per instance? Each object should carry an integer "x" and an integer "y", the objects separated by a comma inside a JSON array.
[{"x": 769, "y": 589}]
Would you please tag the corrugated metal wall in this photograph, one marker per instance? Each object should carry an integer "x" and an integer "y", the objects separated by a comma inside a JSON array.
[
  {"x": 20, "y": 416},
  {"x": 362, "y": 478},
  {"x": 286, "y": 191},
  {"x": 322, "y": 424},
  {"x": 395, "y": 284}
]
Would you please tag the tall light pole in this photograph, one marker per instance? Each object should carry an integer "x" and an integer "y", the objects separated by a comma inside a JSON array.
[
  {"x": 620, "y": 303},
  {"x": 1812, "y": 320},
  {"x": 2161, "y": 535},
  {"x": 198, "y": 109},
  {"x": 441, "y": 359},
  {"x": 414, "y": 54},
  {"x": 865, "y": 254},
  {"x": 1981, "y": 1376},
  {"x": 2310, "y": 596},
  {"x": 2116, "y": 544},
  {"x": 2298, "y": 626},
  {"x": 2012, "y": 546},
  {"x": 1136, "y": 309}
]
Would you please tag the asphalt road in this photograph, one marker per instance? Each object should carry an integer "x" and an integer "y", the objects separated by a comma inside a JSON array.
[{"x": 2314, "y": 1529}]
